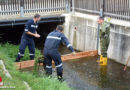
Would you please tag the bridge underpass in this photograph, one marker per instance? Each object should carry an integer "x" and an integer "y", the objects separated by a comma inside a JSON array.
[
  {"x": 11, "y": 31},
  {"x": 81, "y": 74}
]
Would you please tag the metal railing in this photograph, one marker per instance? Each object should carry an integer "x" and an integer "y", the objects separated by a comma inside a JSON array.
[
  {"x": 8, "y": 7},
  {"x": 87, "y": 6},
  {"x": 43, "y": 5},
  {"x": 12, "y": 7},
  {"x": 119, "y": 9}
]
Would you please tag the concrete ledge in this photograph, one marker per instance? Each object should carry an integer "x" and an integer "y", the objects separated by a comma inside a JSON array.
[
  {"x": 9, "y": 75},
  {"x": 5, "y": 70},
  {"x": 27, "y": 85},
  {"x": 95, "y": 18}
]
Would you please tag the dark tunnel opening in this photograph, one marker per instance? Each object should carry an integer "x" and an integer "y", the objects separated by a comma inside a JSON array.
[{"x": 13, "y": 34}]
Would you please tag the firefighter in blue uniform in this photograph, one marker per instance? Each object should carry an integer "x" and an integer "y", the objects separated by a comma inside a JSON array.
[
  {"x": 28, "y": 38},
  {"x": 53, "y": 40}
]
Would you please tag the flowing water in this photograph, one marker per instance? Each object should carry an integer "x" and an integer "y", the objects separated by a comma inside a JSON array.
[{"x": 87, "y": 74}]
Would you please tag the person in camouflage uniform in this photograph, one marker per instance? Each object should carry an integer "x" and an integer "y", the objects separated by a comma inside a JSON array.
[
  {"x": 104, "y": 41},
  {"x": 104, "y": 38}
]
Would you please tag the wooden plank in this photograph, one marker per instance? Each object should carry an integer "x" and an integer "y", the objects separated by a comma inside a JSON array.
[{"x": 30, "y": 63}]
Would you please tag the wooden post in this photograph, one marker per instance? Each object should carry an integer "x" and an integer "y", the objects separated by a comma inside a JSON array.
[{"x": 127, "y": 63}]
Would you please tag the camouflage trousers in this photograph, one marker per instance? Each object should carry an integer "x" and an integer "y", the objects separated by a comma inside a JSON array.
[{"x": 104, "y": 43}]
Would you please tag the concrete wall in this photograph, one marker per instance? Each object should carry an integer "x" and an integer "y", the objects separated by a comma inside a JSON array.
[
  {"x": 81, "y": 29},
  {"x": 81, "y": 32},
  {"x": 119, "y": 47}
]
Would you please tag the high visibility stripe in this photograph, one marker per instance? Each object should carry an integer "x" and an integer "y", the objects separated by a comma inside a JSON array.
[
  {"x": 31, "y": 54},
  {"x": 21, "y": 54},
  {"x": 59, "y": 65},
  {"x": 53, "y": 37},
  {"x": 48, "y": 66},
  {"x": 35, "y": 26},
  {"x": 69, "y": 45},
  {"x": 26, "y": 30}
]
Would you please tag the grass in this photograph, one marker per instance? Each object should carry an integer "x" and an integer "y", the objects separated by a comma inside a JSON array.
[
  {"x": 8, "y": 54},
  {"x": 12, "y": 51}
]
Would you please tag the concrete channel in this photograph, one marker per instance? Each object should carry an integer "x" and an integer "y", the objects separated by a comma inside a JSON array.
[{"x": 86, "y": 74}]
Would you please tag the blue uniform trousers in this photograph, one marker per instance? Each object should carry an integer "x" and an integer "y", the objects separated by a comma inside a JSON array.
[
  {"x": 31, "y": 45},
  {"x": 54, "y": 55}
]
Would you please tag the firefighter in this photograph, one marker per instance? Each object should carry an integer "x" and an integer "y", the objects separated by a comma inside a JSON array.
[
  {"x": 51, "y": 52},
  {"x": 27, "y": 38}
]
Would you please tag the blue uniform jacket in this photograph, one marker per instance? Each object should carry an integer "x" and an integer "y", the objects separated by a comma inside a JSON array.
[
  {"x": 54, "y": 39},
  {"x": 31, "y": 27}
]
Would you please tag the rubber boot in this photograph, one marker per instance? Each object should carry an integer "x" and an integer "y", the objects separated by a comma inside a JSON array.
[
  {"x": 101, "y": 59},
  {"x": 31, "y": 58},
  {"x": 104, "y": 61},
  {"x": 60, "y": 78},
  {"x": 17, "y": 59}
]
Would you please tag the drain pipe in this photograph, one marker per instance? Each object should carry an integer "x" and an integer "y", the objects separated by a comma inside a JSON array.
[
  {"x": 23, "y": 21},
  {"x": 73, "y": 6},
  {"x": 67, "y": 6},
  {"x": 100, "y": 17},
  {"x": 22, "y": 8},
  {"x": 16, "y": 24}
]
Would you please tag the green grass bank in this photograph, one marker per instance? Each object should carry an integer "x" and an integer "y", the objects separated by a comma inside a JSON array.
[{"x": 8, "y": 53}]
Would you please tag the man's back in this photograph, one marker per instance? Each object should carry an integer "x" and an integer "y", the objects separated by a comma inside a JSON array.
[
  {"x": 53, "y": 40},
  {"x": 52, "y": 43}
]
